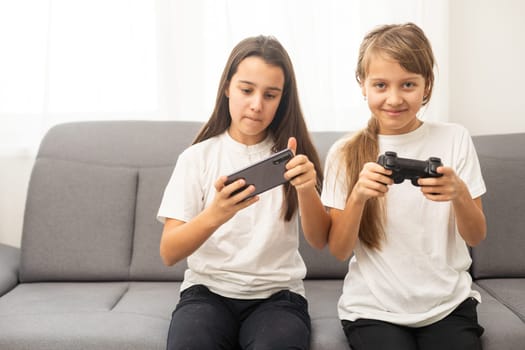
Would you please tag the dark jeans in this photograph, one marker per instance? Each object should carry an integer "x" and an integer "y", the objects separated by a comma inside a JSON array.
[
  {"x": 205, "y": 320},
  {"x": 459, "y": 330}
]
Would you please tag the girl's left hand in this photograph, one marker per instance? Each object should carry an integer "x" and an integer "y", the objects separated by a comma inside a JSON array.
[
  {"x": 445, "y": 188},
  {"x": 300, "y": 170}
]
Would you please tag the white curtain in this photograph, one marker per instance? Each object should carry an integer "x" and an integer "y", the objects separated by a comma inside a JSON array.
[{"x": 70, "y": 60}]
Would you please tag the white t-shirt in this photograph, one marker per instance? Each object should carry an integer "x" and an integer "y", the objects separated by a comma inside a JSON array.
[
  {"x": 255, "y": 253},
  {"x": 420, "y": 275}
]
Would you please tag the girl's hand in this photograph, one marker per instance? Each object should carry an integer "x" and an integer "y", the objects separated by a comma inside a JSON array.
[
  {"x": 445, "y": 188},
  {"x": 373, "y": 181},
  {"x": 300, "y": 171},
  {"x": 226, "y": 204}
]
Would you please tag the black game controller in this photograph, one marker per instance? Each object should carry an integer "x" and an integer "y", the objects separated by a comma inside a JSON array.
[{"x": 403, "y": 168}]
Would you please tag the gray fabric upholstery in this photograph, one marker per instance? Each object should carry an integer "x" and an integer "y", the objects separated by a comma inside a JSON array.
[
  {"x": 503, "y": 252},
  {"x": 503, "y": 328},
  {"x": 9, "y": 262},
  {"x": 146, "y": 263},
  {"x": 509, "y": 291},
  {"x": 69, "y": 316},
  {"x": 91, "y": 276},
  {"x": 89, "y": 210}
]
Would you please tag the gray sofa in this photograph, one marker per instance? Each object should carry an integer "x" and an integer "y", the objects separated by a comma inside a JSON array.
[{"x": 89, "y": 276}]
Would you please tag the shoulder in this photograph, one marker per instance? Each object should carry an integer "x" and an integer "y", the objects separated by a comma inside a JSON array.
[
  {"x": 446, "y": 128},
  {"x": 447, "y": 134},
  {"x": 197, "y": 158},
  {"x": 334, "y": 157},
  {"x": 339, "y": 144},
  {"x": 200, "y": 150}
]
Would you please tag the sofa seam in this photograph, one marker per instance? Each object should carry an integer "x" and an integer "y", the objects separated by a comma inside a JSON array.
[
  {"x": 121, "y": 296},
  {"x": 134, "y": 224}
]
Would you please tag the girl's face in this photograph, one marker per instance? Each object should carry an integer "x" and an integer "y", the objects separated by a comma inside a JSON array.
[
  {"x": 254, "y": 94},
  {"x": 394, "y": 95}
]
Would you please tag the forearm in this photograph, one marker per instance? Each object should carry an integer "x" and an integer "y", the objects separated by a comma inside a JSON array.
[
  {"x": 470, "y": 218},
  {"x": 344, "y": 231},
  {"x": 180, "y": 239},
  {"x": 315, "y": 220}
]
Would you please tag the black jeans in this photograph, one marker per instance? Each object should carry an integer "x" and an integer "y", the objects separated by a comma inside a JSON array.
[
  {"x": 205, "y": 320},
  {"x": 459, "y": 330}
]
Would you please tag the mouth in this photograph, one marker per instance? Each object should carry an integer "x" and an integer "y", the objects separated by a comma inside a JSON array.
[
  {"x": 253, "y": 119},
  {"x": 394, "y": 113}
]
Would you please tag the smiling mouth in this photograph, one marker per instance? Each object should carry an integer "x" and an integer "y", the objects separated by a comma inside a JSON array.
[{"x": 394, "y": 112}]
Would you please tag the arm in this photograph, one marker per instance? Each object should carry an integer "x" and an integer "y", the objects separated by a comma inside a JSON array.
[
  {"x": 9, "y": 263},
  {"x": 373, "y": 182},
  {"x": 470, "y": 218},
  {"x": 180, "y": 239},
  {"x": 315, "y": 220}
]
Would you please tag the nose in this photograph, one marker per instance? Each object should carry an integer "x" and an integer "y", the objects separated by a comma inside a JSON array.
[
  {"x": 394, "y": 98},
  {"x": 256, "y": 102}
]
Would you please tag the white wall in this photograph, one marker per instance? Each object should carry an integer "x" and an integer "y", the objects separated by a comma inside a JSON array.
[
  {"x": 487, "y": 57},
  {"x": 487, "y": 76}
]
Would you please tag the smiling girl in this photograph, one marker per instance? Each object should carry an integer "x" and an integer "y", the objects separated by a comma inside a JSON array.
[
  {"x": 408, "y": 285},
  {"x": 244, "y": 282}
]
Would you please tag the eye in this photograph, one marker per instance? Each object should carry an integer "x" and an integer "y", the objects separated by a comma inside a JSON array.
[
  {"x": 380, "y": 85},
  {"x": 246, "y": 91},
  {"x": 409, "y": 85},
  {"x": 270, "y": 96}
]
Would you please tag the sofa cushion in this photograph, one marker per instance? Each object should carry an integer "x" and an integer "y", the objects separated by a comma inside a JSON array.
[
  {"x": 501, "y": 254},
  {"x": 77, "y": 222},
  {"x": 508, "y": 291},
  {"x": 146, "y": 264},
  {"x": 121, "y": 165},
  {"x": 503, "y": 328},
  {"x": 9, "y": 261},
  {"x": 87, "y": 315}
]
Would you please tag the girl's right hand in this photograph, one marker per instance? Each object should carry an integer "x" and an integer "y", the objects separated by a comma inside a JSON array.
[
  {"x": 225, "y": 205},
  {"x": 373, "y": 181}
]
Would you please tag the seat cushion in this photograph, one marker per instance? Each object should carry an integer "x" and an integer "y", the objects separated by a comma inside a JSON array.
[
  {"x": 503, "y": 328},
  {"x": 87, "y": 315},
  {"x": 508, "y": 291},
  {"x": 322, "y": 296}
]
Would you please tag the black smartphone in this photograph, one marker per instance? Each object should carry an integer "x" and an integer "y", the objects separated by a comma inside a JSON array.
[{"x": 265, "y": 174}]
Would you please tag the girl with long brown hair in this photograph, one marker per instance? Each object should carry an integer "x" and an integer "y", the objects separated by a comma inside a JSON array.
[{"x": 244, "y": 282}]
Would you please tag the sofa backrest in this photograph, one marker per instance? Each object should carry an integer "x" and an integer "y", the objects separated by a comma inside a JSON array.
[
  {"x": 93, "y": 197},
  {"x": 502, "y": 160}
]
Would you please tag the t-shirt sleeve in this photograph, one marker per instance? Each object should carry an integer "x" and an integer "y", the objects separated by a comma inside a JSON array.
[
  {"x": 335, "y": 188},
  {"x": 183, "y": 195},
  {"x": 468, "y": 167}
]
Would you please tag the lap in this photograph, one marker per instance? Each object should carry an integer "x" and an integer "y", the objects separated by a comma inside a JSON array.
[
  {"x": 202, "y": 320},
  {"x": 280, "y": 322},
  {"x": 460, "y": 330},
  {"x": 205, "y": 320}
]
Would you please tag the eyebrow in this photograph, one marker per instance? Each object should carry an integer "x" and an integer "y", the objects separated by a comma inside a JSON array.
[
  {"x": 269, "y": 88},
  {"x": 412, "y": 77}
]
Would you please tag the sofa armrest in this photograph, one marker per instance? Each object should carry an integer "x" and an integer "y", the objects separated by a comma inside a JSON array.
[{"x": 9, "y": 263}]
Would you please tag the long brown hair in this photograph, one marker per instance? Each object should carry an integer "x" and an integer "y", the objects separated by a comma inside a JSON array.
[
  {"x": 408, "y": 46},
  {"x": 288, "y": 120}
]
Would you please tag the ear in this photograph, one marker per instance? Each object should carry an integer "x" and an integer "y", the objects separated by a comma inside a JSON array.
[{"x": 427, "y": 91}]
